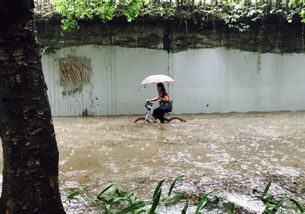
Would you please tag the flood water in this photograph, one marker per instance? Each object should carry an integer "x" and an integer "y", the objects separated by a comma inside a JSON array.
[{"x": 233, "y": 152}]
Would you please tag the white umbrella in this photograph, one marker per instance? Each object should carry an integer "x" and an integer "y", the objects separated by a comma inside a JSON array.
[{"x": 156, "y": 79}]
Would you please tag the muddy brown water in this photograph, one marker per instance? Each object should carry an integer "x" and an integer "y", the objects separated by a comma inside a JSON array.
[{"x": 232, "y": 152}]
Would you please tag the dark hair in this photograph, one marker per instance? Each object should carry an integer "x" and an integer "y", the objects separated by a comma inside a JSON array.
[{"x": 163, "y": 92}]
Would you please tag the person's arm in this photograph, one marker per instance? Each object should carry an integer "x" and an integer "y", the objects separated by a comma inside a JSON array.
[{"x": 154, "y": 99}]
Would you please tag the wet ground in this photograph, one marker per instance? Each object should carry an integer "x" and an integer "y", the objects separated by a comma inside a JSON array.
[{"x": 233, "y": 152}]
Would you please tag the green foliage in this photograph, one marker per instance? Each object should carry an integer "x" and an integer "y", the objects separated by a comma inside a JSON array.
[
  {"x": 179, "y": 178},
  {"x": 300, "y": 4},
  {"x": 76, "y": 193},
  {"x": 296, "y": 3},
  {"x": 172, "y": 196},
  {"x": 185, "y": 208},
  {"x": 156, "y": 197},
  {"x": 298, "y": 205},
  {"x": 74, "y": 10},
  {"x": 229, "y": 2},
  {"x": 211, "y": 201},
  {"x": 231, "y": 207},
  {"x": 273, "y": 206},
  {"x": 106, "y": 9},
  {"x": 303, "y": 15},
  {"x": 202, "y": 202},
  {"x": 116, "y": 200},
  {"x": 134, "y": 8},
  {"x": 159, "y": 11},
  {"x": 239, "y": 14}
]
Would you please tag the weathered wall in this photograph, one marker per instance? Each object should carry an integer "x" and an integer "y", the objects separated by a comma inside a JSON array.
[
  {"x": 273, "y": 36},
  {"x": 114, "y": 87},
  {"x": 106, "y": 80},
  {"x": 225, "y": 80}
]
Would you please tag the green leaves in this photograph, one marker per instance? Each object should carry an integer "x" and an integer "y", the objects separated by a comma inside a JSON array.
[
  {"x": 76, "y": 193},
  {"x": 106, "y": 10},
  {"x": 202, "y": 202},
  {"x": 298, "y": 206},
  {"x": 265, "y": 197},
  {"x": 116, "y": 200},
  {"x": 179, "y": 178},
  {"x": 296, "y": 3},
  {"x": 303, "y": 15},
  {"x": 185, "y": 208},
  {"x": 74, "y": 10},
  {"x": 133, "y": 8},
  {"x": 273, "y": 206},
  {"x": 240, "y": 17},
  {"x": 236, "y": 14},
  {"x": 172, "y": 196},
  {"x": 133, "y": 207}
]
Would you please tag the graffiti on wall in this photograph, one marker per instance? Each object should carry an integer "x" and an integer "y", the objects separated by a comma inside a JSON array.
[{"x": 74, "y": 73}]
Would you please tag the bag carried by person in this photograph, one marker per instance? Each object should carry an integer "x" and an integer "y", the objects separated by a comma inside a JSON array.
[{"x": 166, "y": 105}]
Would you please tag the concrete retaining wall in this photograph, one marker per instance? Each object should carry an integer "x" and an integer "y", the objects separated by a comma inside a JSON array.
[{"x": 104, "y": 80}]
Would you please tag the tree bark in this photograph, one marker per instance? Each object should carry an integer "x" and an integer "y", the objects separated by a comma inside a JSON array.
[{"x": 30, "y": 154}]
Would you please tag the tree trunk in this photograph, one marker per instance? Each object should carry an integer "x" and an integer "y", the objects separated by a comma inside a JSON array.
[{"x": 30, "y": 154}]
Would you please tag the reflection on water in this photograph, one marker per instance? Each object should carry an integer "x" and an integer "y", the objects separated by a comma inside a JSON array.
[{"x": 236, "y": 152}]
